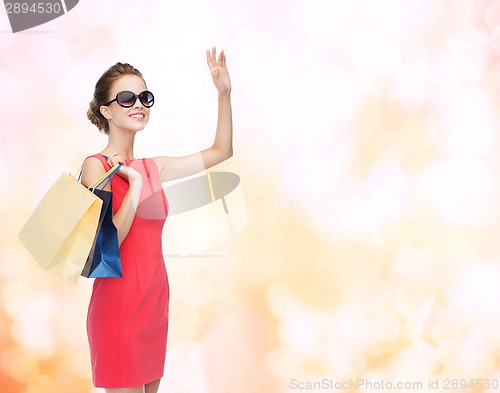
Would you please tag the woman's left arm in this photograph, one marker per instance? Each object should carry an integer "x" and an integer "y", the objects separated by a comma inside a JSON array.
[{"x": 176, "y": 167}]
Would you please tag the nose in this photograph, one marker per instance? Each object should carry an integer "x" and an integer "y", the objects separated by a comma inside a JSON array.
[{"x": 138, "y": 103}]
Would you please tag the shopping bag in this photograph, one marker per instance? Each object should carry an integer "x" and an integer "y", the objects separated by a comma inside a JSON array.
[
  {"x": 104, "y": 257},
  {"x": 61, "y": 231}
]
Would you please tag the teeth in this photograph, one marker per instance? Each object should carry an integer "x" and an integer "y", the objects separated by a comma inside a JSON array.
[{"x": 138, "y": 115}]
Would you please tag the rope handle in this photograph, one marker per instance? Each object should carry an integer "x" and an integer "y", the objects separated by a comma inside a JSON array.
[{"x": 107, "y": 176}]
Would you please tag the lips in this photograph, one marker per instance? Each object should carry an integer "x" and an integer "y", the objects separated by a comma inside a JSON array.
[{"x": 137, "y": 115}]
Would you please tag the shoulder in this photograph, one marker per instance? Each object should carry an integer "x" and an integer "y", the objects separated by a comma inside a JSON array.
[
  {"x": 157, "y": 160},
  {"x": 160, "y": 161},
  {"x": 93, "y": 168}
]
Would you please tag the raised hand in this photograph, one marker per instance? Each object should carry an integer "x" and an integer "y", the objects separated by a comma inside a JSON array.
[{"x": 218, "y": 70}]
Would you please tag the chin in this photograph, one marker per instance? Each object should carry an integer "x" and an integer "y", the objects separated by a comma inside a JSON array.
[{"x": 138, "y": 127}]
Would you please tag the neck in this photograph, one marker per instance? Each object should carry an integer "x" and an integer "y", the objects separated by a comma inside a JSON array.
[{"x": 122, "y": 143}]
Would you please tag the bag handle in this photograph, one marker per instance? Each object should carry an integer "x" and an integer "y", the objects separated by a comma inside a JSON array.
[{"x": 108, "y": 175}]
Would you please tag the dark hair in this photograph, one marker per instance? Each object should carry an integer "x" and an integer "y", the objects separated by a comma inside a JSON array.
[{"x": 101, "y": 93}]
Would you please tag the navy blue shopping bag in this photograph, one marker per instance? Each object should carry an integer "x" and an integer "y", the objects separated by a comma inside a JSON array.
[{"x": 104, "y": 257}]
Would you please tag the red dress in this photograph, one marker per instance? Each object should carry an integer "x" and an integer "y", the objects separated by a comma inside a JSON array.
[{"x": 127, "y": 322}]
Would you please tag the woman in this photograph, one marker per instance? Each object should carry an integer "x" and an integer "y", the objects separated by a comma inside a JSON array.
[{"x": 127, "y": 322}]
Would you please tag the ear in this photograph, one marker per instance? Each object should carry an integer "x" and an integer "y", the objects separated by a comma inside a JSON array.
[{"x": 105, "y": 112}]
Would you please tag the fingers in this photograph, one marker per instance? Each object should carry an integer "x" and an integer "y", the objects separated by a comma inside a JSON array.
[
  {"x": 223, "y": 59},
  {"x": 212, "y": 56},
  {"x": 209, "y": 59},
  {"x": 115, "y": 159}
]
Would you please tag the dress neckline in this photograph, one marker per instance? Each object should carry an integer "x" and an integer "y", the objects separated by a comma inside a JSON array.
[{"x": 126, "y": 159}]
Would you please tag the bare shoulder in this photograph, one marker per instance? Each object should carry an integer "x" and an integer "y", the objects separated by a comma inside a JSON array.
[
  {"x": 161, "y": 162},
  {"x": 92, "y": 170},
  {"x": 160, "y": 159}
]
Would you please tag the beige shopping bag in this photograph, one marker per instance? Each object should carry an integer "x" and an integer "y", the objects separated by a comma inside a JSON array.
[{"x": 62, "y": 229}]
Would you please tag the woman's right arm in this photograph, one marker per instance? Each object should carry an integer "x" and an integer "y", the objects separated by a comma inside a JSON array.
[{"x": 124, "y": 216}]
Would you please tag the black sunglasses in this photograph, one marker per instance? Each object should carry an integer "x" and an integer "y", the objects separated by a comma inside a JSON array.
[{"x": 127, "y": 99}]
